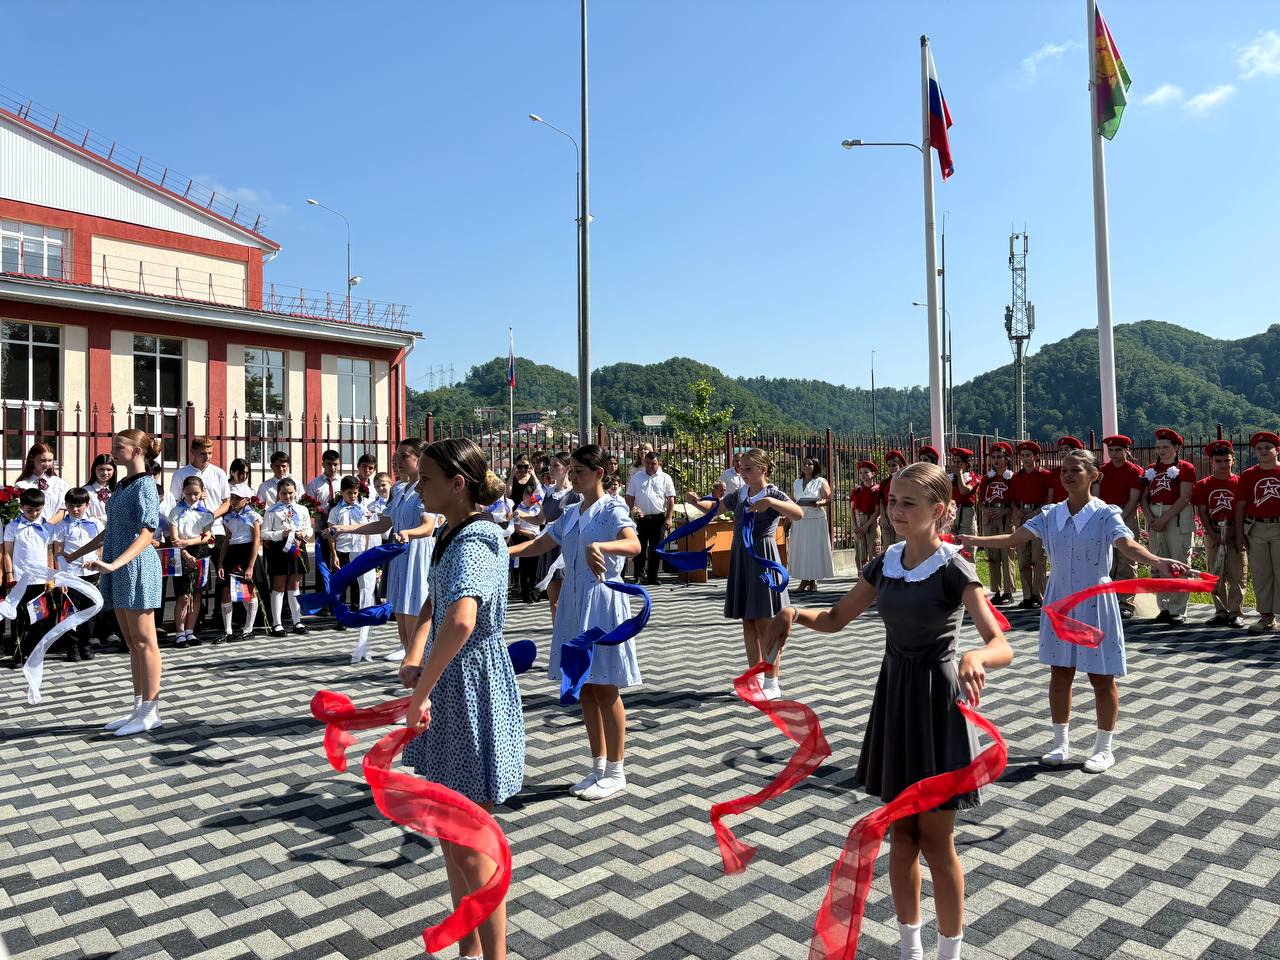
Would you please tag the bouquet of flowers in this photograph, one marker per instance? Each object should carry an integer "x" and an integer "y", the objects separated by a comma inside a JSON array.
[
  {"x": 318, "y": 511},
  {"x": 9, "y": 506}
]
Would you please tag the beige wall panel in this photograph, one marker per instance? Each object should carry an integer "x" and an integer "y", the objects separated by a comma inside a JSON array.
[
  {"x": 121, "y": 377},
  {"x": 197, "y": 378},
  {"x": 73, "y": 452},
  {"x": 296, "y": 408},
  {"x": 168, "y": 273}
]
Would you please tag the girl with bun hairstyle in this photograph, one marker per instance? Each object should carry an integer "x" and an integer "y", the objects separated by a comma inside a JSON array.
[
  {"x": 466, "y": 702},
  {"x": 131, "y": 581},
  {"x": 921, "y": 588}
]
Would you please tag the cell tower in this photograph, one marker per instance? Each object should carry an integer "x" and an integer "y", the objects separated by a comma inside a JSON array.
[{"x": 1019, "y": 322}]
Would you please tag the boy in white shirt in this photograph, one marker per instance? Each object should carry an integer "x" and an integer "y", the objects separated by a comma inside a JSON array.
[
  {"x": 26, "y": 549},
  {"x": 376, "y": 506},
  {"x": 267, "y": 489},
  {"x": 70, "y": 534},
  {"x": 191, "y": 534},
  {"x": 238, "y": 555},
  {"x": 343, "y": 546}
]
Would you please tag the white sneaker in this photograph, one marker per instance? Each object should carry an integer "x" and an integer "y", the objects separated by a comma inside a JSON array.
[
  {"x": 771, "y": 689},
  {"x": 147, "y": 718},
  {"x": 395, "y": 656},
  {"x": 1057, "y": 756},
  {"x": 1100, "y": 762},
  {"x": 604, "y": 788},
  {"x": 117, "y": 724},
  {"x": 586, "y": 783}
]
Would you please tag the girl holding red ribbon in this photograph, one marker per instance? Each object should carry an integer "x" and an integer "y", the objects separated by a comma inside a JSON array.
[
  {"x": 921, "y": 587},
  {"x": 1079, "y": 535}
]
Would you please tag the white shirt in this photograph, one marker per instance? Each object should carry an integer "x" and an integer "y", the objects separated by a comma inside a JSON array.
[
  {"x": 324, "y": 490},
  {"x": 240, "y": 525},
  {"x": 344, "y": 513},
  {"x": 732, "y": 481},
  {"x": 375, "y": 506},
  {"x": 217, "y": 488},
  {"x": 186, "y": 522},
  {"x": 74, "y": 534},
  {"x": 30, "y": 545},
  {"x": 651, "y": 492},
  {"x": 267, "y": 489},
  {"x": 277, "y": 522},
  {"x": 55, "y": 493},
  {"x": 98, "y": 497}
]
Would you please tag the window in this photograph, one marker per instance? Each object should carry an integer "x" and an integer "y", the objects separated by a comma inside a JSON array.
[
  {"x": 356, "y": 431},
  {"x": 31, "y": 384},
  {"x": 264, "y": 380},
  {"x": 32, "y": 250},
  {"x": 157, "y": 390}
]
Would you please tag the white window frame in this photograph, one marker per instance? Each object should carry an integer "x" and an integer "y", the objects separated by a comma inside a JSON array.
[
  {"x": 37, "y": 419},
  {"x": 270, "y": 426},
  {"x": 356, "y": 435},
  {"x": 45, "y": 238},
  {"x": 158, "y": 420}
]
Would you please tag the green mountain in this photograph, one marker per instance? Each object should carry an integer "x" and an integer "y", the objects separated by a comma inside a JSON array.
[{"x": 1165, "y": 375}]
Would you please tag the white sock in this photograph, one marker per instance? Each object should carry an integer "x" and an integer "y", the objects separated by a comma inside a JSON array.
[
  {"x": 251, "y": 615},
  {"x": 1102, "y": 741},
  {"x": 613, "y": 770},
  {"x": 295, "y": 608},
  {"x": 909, "y": 935},
  {"x": 277, "y": 607},
  {"x": 598, "y": 765},
  {"x": 226, "y": 618},
  {"x": 949, "y": 947},
  {"x": 1060, "y": 737}
]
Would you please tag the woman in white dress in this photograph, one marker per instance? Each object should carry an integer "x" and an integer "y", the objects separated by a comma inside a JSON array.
[{"x": 809, "y": 557}]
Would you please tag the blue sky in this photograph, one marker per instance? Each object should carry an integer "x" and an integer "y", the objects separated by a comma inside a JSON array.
[{"x": 728, "y": 223}]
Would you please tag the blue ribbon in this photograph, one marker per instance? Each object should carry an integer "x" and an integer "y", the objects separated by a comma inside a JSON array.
[
  {"x": 522, "y": 654},
  {"x": 688, "y": 560},
  {"x": 772, "y": 568},
  {"x": 334, "y": 586},
  {"x": 575, "y": 654}
]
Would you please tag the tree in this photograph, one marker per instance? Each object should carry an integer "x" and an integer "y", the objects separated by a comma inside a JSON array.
[
  {"x": 692, "y": 462},
  {"x": 697, "y": 419}
]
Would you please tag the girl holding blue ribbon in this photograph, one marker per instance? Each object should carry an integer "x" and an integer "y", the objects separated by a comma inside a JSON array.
[
  {"x": 755, "y": 572},
  {"x": 596, "y": 535}
]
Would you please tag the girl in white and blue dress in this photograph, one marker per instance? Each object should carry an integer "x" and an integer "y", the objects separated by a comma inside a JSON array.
[
  {"x": 1079, "y": 535},
  {"x": 595, "y": 535},
  {"x": 466, "y": 701}
]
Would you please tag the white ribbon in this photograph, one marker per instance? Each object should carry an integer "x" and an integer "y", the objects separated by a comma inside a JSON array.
[
  {"x": 361, "y": 651},
  {"x": 557, "y": 564},
  {"x": 34, "y": 667}
]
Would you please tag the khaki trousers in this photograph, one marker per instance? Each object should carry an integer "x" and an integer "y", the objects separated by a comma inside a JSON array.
[
  {"x": 998, "y": 522},
  {"x": 866, "y": 544},
  {"x": 888, "y": 537},
  {"x": 1174, "y": 542},
  {"x": 1228, "y": 563},
  {"x": 966, "y": 520},
  {"x": 1032, "y": 562},
  {"x": 1122, "y": 568},
  {"x": 1264, "y": 564}
]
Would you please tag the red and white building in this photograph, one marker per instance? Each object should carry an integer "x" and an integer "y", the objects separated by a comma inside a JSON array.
[{"x": 133, "y": 297}]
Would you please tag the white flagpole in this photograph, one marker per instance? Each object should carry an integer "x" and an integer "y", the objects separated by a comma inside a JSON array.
[
  {"x": 511, "y": 398},
  {"x": 937, "y": 431},
  {"x": 1101, "y": 246}
]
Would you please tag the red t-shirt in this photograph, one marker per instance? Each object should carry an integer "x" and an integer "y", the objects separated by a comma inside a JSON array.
[
  {"x": 1118, "y": 482},
  {"x": 865, "y": 497},
  {"x": 1165, "y": 489},
  {"x": 1260, "y": 491},
  {"x": 965, "y": 494},
  {"x": 885, "y": 484},
  {"x": 1031, "y": 486},
  {"x": 1057, "y": 492},
  {"x": 995, "y": 491},
  {"x": 1219, "y": 496}
]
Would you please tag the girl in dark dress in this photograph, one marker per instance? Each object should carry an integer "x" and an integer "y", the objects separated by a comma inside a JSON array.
[{"x": 921, "y": 587}]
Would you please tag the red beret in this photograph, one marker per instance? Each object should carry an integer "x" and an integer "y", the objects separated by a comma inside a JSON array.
[
  {"x": 929, "y": 450},
  {"x": 1164, "y": 433},
  {"x": 896, "y": 454},
  {"x": 1075, "y": 443},
  {"x": 869, "y": 464},
  {"x": 1218, "y": 448},
  {"x": 963, "y": 452},
  {"x": 1117, "y": 440},
  {"x": 1002, "y": 447},
  {"x": 1029, "y": 445},
  {"x": 1264, "y": 436}
]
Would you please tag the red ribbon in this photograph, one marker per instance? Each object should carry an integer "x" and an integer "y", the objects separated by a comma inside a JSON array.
[
  {"x": 1086, "y": 635},
  {"x": 429, "y": 808},
  {"x": 799, "y": 724},
  {"x": 1001, "y": 620},
  {"x": 839, "y": 921}
]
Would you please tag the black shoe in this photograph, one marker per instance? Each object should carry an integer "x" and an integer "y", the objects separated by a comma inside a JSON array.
[
  {"x": 300, "y": 628},
  {"x": 73, "y": 654},
  {"x": 1217, "y": 620},
  {"x": 277, "y": 632},
  {"x": 1236, "y": 622},
  {"x": 16, "y": 660},
  {"x": 1126, "y": 613},
  {"x": 1175, "y": 620},
  {"x": 249, "y": 634},
  {"x": 220, "y": 638},
  {"x": 1036, "y": 603},
  {"x": 86, "y": 651},
  {"x": 343, "y": 626},
  {"x": 1025, "y": 605},
  {"x": 1164, "y": 616}
]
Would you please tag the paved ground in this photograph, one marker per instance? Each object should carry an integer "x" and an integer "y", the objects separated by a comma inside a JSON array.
[{"x": 227, "y": 835}]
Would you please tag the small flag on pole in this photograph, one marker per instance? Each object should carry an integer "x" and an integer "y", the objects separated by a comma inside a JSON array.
[
  {"x": 939, "y": 122},
  {"x": 39, "y": 608},
  {"x": 1110, "y": 79},
  {"x": 511, "y": 360},
  {"x": 292, "y": 546},
  {"x": 171, "y": 562},
  {"x": 241, "y": 590},
  {"x": 204, "y": 572},
  {"x": 68, "y": 608}
]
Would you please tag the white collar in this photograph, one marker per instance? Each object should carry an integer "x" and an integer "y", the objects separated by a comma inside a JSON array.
[
  {"x": 892, "y": 566},
  {"x": 1062, "y": 513},
  {"x": 748, "y": 498}
]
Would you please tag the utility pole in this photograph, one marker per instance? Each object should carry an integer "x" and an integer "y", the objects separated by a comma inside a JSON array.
[{"x": 1019, "y": 323}]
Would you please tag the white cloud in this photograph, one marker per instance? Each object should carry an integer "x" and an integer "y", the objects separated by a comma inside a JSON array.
[
  {"x": 1210, "y": 99},
  {"x": 1164, "y": 94},
  {"x": 259, "y": 201},
  {"x": 1049, "y": 51},
  {"x": 1262, "y": 57}
]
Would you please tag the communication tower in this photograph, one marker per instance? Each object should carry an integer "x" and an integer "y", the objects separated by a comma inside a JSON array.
[{"x": 1019, "y": 323}]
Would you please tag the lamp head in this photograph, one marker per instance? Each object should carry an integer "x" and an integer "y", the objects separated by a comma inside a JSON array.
[
  {"x": 535, "y": 118},
  {"x": 314, "y": 203},
  {"x": 850, "y": 144},
  {"x": 354, "y": 281}
]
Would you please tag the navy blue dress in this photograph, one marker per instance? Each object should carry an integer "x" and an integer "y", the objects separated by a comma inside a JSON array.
[{"x": 138, "y": 585}]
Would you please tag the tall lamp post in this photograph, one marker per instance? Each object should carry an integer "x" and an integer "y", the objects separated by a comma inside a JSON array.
[
  {"x": 948, "y": 381},
  {"x": 352, "y": 279}
]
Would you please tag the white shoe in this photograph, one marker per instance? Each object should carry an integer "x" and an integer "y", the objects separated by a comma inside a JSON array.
[
  {"x": 147, "y": 718},
  {"x": 604, "y": 788},
  {"x": 1057, "y": 756},
  {"x": 585, "y": 784},
  {"x": 395, "y": 656},
  {"x": 771, "y": 690},
  {"x": 124, "y": 721},
  {"x": 1100, "y": 762}
]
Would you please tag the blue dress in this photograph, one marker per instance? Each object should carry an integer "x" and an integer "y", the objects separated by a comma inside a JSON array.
[
  {"x": 475, "y": 744},
  {"x": 584, "y": 601},
  {"x": 407, "y": 574},
  {"x": 1079, "y": 550},
  {"x": 746, "y": 596},
  {"x": 137, "y": 585}
]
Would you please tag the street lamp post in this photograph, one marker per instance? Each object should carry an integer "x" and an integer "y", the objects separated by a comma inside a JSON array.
[
  {"x": 875, "y": 432},
  {"x": 948, "y": 379},
  {"x": 352, "y": 279}
]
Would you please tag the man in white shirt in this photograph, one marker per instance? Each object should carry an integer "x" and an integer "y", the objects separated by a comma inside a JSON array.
[
  {"x": 279, "y": 470},
  {"x": 652, "y": 493},
  {"x": 217, "y": 490},
  {"x": 326, "y": 489},
  {"x": 731, "y": 479}
]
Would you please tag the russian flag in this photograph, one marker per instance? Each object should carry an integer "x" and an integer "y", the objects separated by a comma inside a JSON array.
[
  {"x": 39, "y": 608},
  {"x": 171, "y": 562},
  {"x": 511, "y": 360},
  {"x": 292, "y": 545},
  {"x": 939, "y": 122},
  {"x": 240, "y": 589}
]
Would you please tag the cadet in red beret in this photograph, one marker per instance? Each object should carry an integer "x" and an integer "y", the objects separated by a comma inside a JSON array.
[
  {"x": 1258, "y": 527},
  {"x": 1120, "y": 484},
  {"x": 1030, "y": 487},
  {"x": 927, "y": 454},
  {"x": 964, "y": 491},
  {"x": 895, "y": 460},
  {"x": 1056, "y": 491},
  {"x": 1171, "y": 522},
  {"x": 1214, "y": 499},
  {"x": 995, "y": 510},
  {"x": 865, "y": 501}
]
